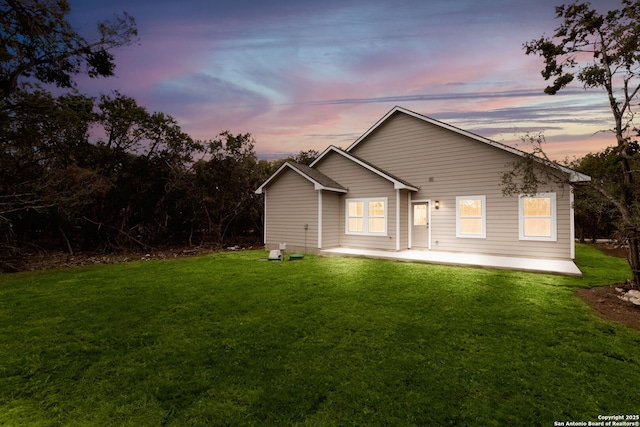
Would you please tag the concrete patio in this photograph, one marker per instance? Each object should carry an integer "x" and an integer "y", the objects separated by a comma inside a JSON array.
[{"x": 539, "y": 265}]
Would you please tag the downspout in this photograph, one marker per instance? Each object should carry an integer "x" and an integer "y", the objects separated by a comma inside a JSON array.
[
  {"x": 409, "y": 219},
  {"x": 264, "y": 222},
  {"x": 572, "y": 225},
  {"x": 319, "y": 219},
  {"x": 397, "y": 219}
]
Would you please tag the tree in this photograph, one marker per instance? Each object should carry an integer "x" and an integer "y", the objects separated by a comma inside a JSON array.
[
  {"x": 44, "y": 173},
  {"x": 58, "y": 187},
  {"x": 596, "y": 217},
  {"x": 222, "y": 189},
  {"x": 144, "y": 156},
  {"x": 602, "y": 51},
  {"x": 306, "y": 157},
  {"x": 37, "y": 43}
]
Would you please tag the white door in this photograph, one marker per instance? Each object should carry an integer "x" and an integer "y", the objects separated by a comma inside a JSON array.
[{"x": 420, "y": 225}]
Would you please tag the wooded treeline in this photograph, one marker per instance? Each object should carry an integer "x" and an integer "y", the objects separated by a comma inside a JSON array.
[
  {"x": 598, "y": 217},
  {"x": 85, "y": 173},
  {"x": 140, "y": 182}
]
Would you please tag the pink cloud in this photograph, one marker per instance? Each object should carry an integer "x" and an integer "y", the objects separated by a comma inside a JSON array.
[{"x": 306, "y": 75}]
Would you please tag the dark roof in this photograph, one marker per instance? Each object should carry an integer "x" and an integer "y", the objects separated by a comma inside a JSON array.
[
  {"x": 319, "y": 180},
  {"x": 317, "y": 176}
]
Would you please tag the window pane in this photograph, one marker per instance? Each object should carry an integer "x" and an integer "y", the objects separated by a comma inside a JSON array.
[
  {"x": 376, "y": 225},
  {"x": 537, "y": 206},
  {"x": 470, "y": 226},
  {"x": 355, "y": 208},
  {"x": 537, "y": 227},
  {"x": 376, "y": 208},
  {"x": 419, "y": 214},
  {"x": 355, "y": 224},
  {"x": 470, "y": 207},
  {"x": 366, "y": 216}
]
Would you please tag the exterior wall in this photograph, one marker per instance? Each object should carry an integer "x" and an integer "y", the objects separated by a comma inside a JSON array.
[
  {"x": 404, "y": 220},
  {"x": 361, "y": 183},
  {"x": 444, "y": 164},
  {"x": 290, "y": 202},
  {"x": 332, "y": 226}
]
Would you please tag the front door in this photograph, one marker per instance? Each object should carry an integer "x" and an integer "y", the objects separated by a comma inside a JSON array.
[{"x": 420, "y": 225}]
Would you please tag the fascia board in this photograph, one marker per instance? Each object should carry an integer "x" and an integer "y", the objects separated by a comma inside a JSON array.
[{"x": 316, "y": 184}]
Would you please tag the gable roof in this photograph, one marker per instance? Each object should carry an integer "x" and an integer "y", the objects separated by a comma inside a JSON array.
[
  {"x": 574, "y": 176},
  {"x": 397, "y": 182},
  {"x": 319, "y": 180}
]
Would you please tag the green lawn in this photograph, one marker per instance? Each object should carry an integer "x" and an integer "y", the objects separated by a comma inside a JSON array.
[{"x": 228, "y": 339}]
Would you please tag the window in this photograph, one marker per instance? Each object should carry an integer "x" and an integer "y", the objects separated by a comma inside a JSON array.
[
  {"x": 538, "y": 217},
  {"x": 367, "y": 216},
  {"x": 356, "y": 217},
  {"x": 420, "y": 214},
  {"x": 471, "y": 217}
]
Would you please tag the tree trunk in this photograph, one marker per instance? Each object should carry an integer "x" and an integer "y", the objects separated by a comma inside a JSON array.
[
  {"x": 633, "y": 254},
  {"x": 66, "y": 241},
  {"x": 633, "y": 250}
]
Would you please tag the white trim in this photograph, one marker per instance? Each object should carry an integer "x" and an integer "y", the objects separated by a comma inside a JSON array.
[
  {"x": 365, "y": 216},
  {"x": 316, "y": 184},
  {"x": 483, "y": 218},
  {"x": 409, "y": 221},
  {"x": 264, "y": 232},
  {"x": 319, "y": 219},
  {"x": 572, "y": 224},
  {"x": 574, "y": 176},
  {"x": 430, "y": 222},
  {"x": 396, "y": 183},
  {"x": 553, "y": 219},
  {"x": 397, "y": 220}
]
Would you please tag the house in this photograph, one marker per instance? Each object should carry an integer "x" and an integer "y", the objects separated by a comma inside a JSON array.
[{"x": 416, "y": 188}]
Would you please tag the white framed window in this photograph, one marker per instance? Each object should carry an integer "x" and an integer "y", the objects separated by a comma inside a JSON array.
[
  {"x": 471, "y": 217},
  {"x": 538, "y": 217},
  {"x": 366, "y": 216}
]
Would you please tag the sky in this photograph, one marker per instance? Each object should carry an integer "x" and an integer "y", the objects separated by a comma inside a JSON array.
[{"x": 305, "y": 74}]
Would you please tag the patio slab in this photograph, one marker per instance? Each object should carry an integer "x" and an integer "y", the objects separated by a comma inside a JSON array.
[{"x": 539, "y": 265}]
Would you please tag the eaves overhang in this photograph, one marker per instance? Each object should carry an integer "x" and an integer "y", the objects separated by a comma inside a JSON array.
[
  {"x": 398, "y": 183},
  {"x": 319, "y": 180}
]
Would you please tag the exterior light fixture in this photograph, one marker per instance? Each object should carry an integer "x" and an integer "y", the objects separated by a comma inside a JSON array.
[{"x": 437, "y": 205}]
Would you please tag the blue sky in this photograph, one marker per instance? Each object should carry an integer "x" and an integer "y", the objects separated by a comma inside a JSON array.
[{"x": 302, "y": 75}]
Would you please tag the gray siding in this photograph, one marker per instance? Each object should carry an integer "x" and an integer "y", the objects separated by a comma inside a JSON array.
[
  {"x": 361, "y": 183},
  {"x": 444, "y": 164},
  {"x": 404, "y": 219},
  {"x": 291, "y": 202},
  {"x": 331, "y": 219}
]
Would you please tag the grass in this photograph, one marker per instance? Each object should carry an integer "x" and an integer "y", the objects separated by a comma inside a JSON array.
[{"x": 226, "y": 339}]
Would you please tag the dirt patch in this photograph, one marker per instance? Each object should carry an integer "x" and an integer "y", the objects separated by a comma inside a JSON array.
[
  {"x": 47, "y": 260},
  {"x": 612, "y": 248},
  {"x": 604, "y": 300},
  {"x": 36, "y": 258},
  {"x": 51, "y": 260}
]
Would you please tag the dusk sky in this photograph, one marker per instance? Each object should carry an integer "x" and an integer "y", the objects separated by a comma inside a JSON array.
[{"x": 302, "y": 75}]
